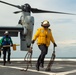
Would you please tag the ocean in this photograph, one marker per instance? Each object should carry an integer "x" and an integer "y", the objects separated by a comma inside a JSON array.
[
  {"x": 21, "y": 54},
  {"x": 62, "y": 51}
]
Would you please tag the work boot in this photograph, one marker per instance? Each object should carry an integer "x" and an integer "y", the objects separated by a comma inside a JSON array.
[
  {"x": 9, "y": 62},
  {"x": 4, "y": 63},
  {"x": 37, "y": 67},
  {"x": 42, "y": 65}
]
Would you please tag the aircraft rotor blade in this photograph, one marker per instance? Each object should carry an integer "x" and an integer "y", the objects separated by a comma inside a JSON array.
[
  {"x": 35, "y": 10},
  {"x": 16, "y": 12},
  {"x": 17, "y": 6}
]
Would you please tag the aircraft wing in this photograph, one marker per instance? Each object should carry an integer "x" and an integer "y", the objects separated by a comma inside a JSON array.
[{"x": 13, "y": 30}]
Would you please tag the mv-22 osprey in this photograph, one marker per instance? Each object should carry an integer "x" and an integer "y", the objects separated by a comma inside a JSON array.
[{"x": 27, "y": 23}]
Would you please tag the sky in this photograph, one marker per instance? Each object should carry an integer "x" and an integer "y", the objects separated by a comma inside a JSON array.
[{"x": 63, "y": 26}]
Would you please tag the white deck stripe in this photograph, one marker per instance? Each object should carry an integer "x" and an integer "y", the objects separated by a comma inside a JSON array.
[
  {"x": 45, "y": 59},
  {"x": 68, "y": 72},
  {"x": 29, "y": 70}
]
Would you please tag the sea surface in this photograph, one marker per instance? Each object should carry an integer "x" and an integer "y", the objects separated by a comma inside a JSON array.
[
  {"x": 61, "y": 51},
  {"x": 22, "y": 54}
]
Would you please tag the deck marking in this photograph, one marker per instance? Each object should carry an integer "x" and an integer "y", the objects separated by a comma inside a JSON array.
[
  {"x": 49, "y": 73},
  {"x": 68, "y": 72}
]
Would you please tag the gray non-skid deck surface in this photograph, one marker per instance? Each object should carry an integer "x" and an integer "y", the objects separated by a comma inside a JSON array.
[
  {"x": 9, "y": 71},
  {"x": 58, "y": 68}
]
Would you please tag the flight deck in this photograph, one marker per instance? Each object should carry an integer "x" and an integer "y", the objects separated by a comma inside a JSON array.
[{"x": 18, "y": 67}]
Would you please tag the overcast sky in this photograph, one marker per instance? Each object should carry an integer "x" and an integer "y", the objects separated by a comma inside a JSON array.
[{"x": 63, "y": 26}]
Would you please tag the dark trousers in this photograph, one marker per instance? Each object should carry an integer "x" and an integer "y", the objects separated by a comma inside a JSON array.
[
  {"x": 44, "y": 50},
  {"x": 5, "y": 51}
]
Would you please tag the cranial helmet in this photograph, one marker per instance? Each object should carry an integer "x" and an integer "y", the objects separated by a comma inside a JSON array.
[
  {"x": 45, "y": 23},
  {"x": 6, "y": 32}
]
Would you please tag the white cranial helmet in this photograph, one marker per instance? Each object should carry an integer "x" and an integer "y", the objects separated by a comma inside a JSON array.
[
  {"x": 6, "y": 32},
  {"x": 45, "y": 23}
]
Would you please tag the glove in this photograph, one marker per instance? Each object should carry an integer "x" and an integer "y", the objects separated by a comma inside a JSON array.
[
  {"x": 55, "y": 45},
  {"x": 32, "y": 41}
]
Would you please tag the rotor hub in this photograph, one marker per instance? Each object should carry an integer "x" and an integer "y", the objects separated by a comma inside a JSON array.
[{"x": 26, "y": 7}]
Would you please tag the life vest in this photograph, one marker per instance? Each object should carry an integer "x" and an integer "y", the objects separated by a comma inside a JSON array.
[
  {"x": 43, "y": 36},
  {"x": 6, "y": 40}
]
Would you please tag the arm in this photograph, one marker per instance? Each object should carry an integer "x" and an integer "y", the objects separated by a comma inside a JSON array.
[
  {"x": 1, "y": 40},
  {"x": 11, "y": 41},
  {"x": 35, "y": 36},
  {"x": 52, "y": 40}
]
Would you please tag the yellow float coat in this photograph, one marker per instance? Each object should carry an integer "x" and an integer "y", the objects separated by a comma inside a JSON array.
[{"x": 43, "y": 36}]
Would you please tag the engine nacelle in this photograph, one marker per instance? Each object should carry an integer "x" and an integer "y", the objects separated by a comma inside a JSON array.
[{"x": 26, "y": 35}]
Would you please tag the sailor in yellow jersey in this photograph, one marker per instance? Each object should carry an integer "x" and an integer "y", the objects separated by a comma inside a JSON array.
[{"x": 44, "y": 38}]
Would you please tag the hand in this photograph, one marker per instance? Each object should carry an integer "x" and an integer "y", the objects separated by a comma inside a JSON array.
[
  {"x": 31, "y": 47},
  {"x": 30, "y": 50},
  {"x": 55, "y": 45},
  {"x": 32, "y": 41},
  {"x": 11, "y": 44}
]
